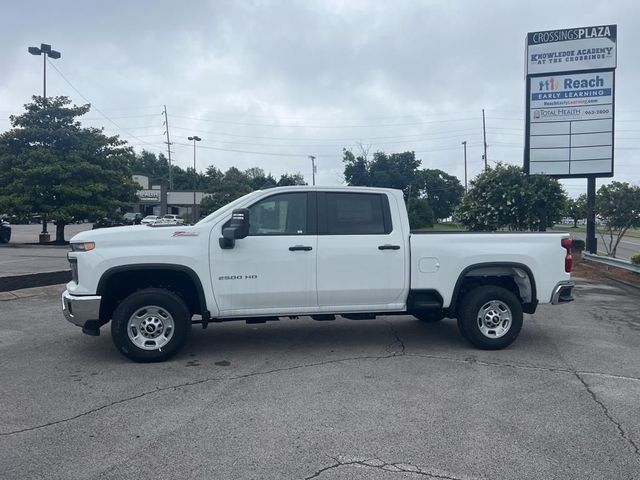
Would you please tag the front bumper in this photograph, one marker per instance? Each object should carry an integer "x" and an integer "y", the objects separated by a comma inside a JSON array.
[
  {"x": 562, "y": 293},
  {"x": 80, "y": 309}
]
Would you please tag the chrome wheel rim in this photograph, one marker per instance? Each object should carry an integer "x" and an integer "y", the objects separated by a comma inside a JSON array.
[
  {"x": 150, "y": 327},
  {"x": 494, "y": 319}
]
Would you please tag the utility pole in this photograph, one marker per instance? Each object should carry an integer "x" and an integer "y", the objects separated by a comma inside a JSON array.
[
  {"x": 195, "y": 139},
  {"x": 313, "y": 169},
  {"x": 484, "y": 136},
  {"x": 168, "y": 142},
  {"x": 465, "y": 165}
]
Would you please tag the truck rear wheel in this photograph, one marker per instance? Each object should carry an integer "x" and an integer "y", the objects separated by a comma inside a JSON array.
[
  {"x": 490, "y": 317},
  {"x": 150, "y": 325}
]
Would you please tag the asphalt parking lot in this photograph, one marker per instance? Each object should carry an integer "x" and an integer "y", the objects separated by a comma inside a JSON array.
[
  {"x": 387, "y": 399},
  {"x": 23, "y": 255}
]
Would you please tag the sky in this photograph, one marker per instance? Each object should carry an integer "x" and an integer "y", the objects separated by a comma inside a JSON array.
[{"x": 268, "y": 83}]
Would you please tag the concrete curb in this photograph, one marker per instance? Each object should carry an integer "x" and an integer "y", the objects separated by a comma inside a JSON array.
[{"x": 31, "y": 280}]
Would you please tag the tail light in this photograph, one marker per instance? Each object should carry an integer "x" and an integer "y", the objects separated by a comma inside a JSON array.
[{"x": 566, "y": 244}]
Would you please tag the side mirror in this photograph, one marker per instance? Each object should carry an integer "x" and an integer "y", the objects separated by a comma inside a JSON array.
[{"x": 237, "y": 228}]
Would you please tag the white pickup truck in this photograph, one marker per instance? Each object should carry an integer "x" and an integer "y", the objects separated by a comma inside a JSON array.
[{"x": 307, "y": 251}]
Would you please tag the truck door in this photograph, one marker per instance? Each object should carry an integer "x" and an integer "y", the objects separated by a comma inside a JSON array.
[
  {"x": 361, "y": 257},
  {"x": 273, "y": 269}
]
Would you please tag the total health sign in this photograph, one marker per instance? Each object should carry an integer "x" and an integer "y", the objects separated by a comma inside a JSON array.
[{"x": 570, "y": 102}]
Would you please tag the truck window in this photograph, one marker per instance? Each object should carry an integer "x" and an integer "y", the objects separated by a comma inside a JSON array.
[
  {"x": 284, "y": 214},
  {"x": 357, "y": 214}
]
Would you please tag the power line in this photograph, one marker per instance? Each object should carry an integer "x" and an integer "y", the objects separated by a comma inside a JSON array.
[
  {"x": 283, "y": 154},
  {"x": 330, "y": 139},
  {"x": 323, "y": 126},
  {"x": 94, "y": 107}
]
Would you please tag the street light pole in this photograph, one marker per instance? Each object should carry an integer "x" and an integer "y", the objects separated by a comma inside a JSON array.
[
  {"x": 195, "y": 139},
  {"x": 46, "y": 51},
  {"x": 484, "y": 136},
  {"x": 465, "y": 165}
]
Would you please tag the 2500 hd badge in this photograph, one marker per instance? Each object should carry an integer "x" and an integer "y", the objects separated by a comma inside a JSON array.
[{"x": 237, "y": 277}]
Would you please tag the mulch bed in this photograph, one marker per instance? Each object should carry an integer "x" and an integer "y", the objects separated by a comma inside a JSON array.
[{"x": 605, "y": 273}]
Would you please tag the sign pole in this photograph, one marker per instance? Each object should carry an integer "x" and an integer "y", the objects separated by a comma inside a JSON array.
[{"x": 592, "y": 241}]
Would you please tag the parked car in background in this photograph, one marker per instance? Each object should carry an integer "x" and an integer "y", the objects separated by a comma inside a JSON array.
[
  {"x": 131, "y": 218},
  {"x": 151, "y": 219},
  {"x": 5, "y": 231},
  {"x": 177, "y": 219}
]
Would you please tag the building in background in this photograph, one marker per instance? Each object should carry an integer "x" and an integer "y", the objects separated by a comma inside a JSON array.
[{"x": 154, "y": 199}]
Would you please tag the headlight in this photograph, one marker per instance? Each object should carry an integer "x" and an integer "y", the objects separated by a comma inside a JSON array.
[{"x": 83, "y": 247}]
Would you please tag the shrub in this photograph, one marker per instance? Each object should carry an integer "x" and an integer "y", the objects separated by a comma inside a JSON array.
[
  {"x": 635, "y": 258},
  {"x": 577, "y": 244}
]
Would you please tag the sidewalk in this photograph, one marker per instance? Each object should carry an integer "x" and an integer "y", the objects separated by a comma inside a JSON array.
[{"x": 24, "y": 263}]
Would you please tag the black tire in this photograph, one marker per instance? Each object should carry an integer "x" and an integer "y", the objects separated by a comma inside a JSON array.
[
  {"x": 490, "y": 317},
  {"x": 429, "y": 317},
  {"x": 5, "y": 235},
  {"x": 151, "y": 325}
]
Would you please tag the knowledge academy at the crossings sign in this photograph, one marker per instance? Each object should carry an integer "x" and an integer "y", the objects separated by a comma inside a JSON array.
[
  {"x": 570, "y": 102},
  {"x": 571, "y": 49}
]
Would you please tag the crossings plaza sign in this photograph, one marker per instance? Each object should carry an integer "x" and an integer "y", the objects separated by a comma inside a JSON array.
[{"x": 570, "y": 102}]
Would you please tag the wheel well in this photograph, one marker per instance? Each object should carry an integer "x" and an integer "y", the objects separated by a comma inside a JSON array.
[
  {"x": 513, "y": 278},
  {"x": 120, "y": 284}
]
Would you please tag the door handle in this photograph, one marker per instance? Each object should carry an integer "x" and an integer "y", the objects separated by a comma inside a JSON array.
[
  {"x": 389, "y": 247},
  {"x": 305, "y": 248}
]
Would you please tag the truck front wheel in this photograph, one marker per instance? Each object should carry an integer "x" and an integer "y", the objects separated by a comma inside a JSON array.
[
  {"x": 150, "y": 325},
  {"x": 490, "y": 317}
]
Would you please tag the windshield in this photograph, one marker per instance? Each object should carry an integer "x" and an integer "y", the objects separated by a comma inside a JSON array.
[{"x": 229, "y": 206}]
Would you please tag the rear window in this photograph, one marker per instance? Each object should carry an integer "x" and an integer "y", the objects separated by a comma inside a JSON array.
[{"x": 357, "y": 214}]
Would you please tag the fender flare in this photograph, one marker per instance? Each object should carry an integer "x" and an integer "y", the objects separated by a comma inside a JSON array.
[
  {"x": 534, "y": 294},
  {"x": 106, "y": 276}
]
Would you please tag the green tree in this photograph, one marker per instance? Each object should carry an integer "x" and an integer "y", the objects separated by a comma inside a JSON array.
[
  {"x": 397, "y": 170},
  {"x": 420, "y": 213},
  {"x": 154, "y": 167},
  {"x": 288, "y": 179},
  {"x": 231, "y": 185},
  {"x": 226, "y": 187},
  {"x": 576, "y": 209},
  {"x": 504, "y": 197},
  {"x": 51, "y": 165},
  {"x": 618, "y": 208},
  {"x": 443, "y": 191},
  {"x": 258, "y": 180}
]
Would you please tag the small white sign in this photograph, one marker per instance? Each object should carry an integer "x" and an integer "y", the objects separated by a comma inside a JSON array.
[{"x": 149, "y": 195}]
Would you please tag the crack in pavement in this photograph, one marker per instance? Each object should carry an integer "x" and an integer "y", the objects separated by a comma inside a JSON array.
[
  {"x": 344, "y": 461},
  {"x": 580, "y": 374},
  {"x": 471, "y": 360},
  {"x": 398, "y": 341},
  {"x": 196, "y": 382},
  {"x": 605, "y": 410}
]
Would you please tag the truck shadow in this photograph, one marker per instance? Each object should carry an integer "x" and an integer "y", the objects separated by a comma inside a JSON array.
[{"x": 306, "y": 337}]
